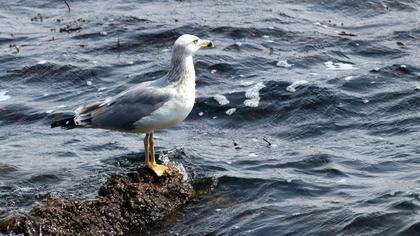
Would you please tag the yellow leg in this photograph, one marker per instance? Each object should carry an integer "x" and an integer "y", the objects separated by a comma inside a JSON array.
[
  {"x": 152, "y": 147},
  {"x": 158, "y": 169},
  {"x": 146, "y": 151}
]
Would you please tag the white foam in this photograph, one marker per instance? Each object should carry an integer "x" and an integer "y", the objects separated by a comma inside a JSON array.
[
  {"x": 41, "y": 62},
  {"x": 338, "y": 66},
  {"x": 348, "y": 78},
  {"x": 230, "y": 111},
  {"x": 200, "y": 113},
  {"x": 4, "y": 96},
  {"x": 342, "y": 181},
  {"x": 238, "y": 44},
  {"x": 221, "y": 99},
  {"x": 49, "y": 111},
  {"x": 320, "y": 24},
  {"x": 104, "y": 33},
  {"x": 213, "y": 71},
  {"x": 253, "y": 95},
  {"x": 89, "y": 83},
  {"x": 165, "y": 159},
  {"x": 292, "y": 88},
  {"x": 284, "y": 64},
  {"x": 246, "y": 83}
]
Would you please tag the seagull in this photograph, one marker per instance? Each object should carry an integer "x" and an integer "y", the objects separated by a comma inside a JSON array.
[{"x": 148, "y": 106}]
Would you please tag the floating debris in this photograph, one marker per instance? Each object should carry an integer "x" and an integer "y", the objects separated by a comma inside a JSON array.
[
  {"x": 402, "y": 45},
  {"x": 38, "y": 17},
  {"x": 344, "y": 33},
  {"x": 69, "y": 28},
  {"x": 268, "y": 142},
  {"x": 236, "y": 145},
  {"x": 13, "y": 45},
  {"x": 68, "y": 6}
]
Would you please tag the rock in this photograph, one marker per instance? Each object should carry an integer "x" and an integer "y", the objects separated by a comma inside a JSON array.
[{"x": 127, "y": 202}]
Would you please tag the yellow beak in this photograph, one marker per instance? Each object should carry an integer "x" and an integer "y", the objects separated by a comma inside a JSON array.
[{"x": 206, "y": 43}]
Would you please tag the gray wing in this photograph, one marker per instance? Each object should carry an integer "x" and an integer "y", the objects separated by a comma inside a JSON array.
[{"x": 121, "y": 111}]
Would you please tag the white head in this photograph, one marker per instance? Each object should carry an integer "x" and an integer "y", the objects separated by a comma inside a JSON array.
[{"x": 188, "y": 44}]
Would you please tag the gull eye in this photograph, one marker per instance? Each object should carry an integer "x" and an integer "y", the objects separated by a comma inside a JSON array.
[{"x": 195, "y": 41}]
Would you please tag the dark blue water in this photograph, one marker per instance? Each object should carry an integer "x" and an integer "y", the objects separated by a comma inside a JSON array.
[{"x": 323, "y": 108}]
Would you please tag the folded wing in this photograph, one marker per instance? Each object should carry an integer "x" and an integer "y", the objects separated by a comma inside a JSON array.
[{"x": 123, "y": 110}]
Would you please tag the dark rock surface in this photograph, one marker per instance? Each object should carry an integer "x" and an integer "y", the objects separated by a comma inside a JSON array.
[{"x": 127, "y": 202}]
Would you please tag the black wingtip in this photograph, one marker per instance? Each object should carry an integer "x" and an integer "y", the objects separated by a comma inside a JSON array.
[{"x": 65, "y": 123}]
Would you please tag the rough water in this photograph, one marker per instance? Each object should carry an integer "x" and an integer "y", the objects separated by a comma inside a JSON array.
[{"x": 306, "y": 120}]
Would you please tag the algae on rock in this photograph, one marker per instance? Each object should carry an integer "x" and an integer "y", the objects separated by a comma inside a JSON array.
[{"x": 126, "y": 202}]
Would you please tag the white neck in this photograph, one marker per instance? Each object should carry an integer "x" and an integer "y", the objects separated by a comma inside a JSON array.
[{"x": 182, "y": 68}]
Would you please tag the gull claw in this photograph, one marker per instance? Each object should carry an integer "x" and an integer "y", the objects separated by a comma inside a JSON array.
[{"x": 159, "y": 170}]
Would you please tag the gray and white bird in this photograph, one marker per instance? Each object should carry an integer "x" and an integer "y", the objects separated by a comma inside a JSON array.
[{"x": 150, "y": 105}]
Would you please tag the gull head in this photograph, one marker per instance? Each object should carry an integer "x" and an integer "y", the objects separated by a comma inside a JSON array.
[{"x": 188, "y": 44}]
